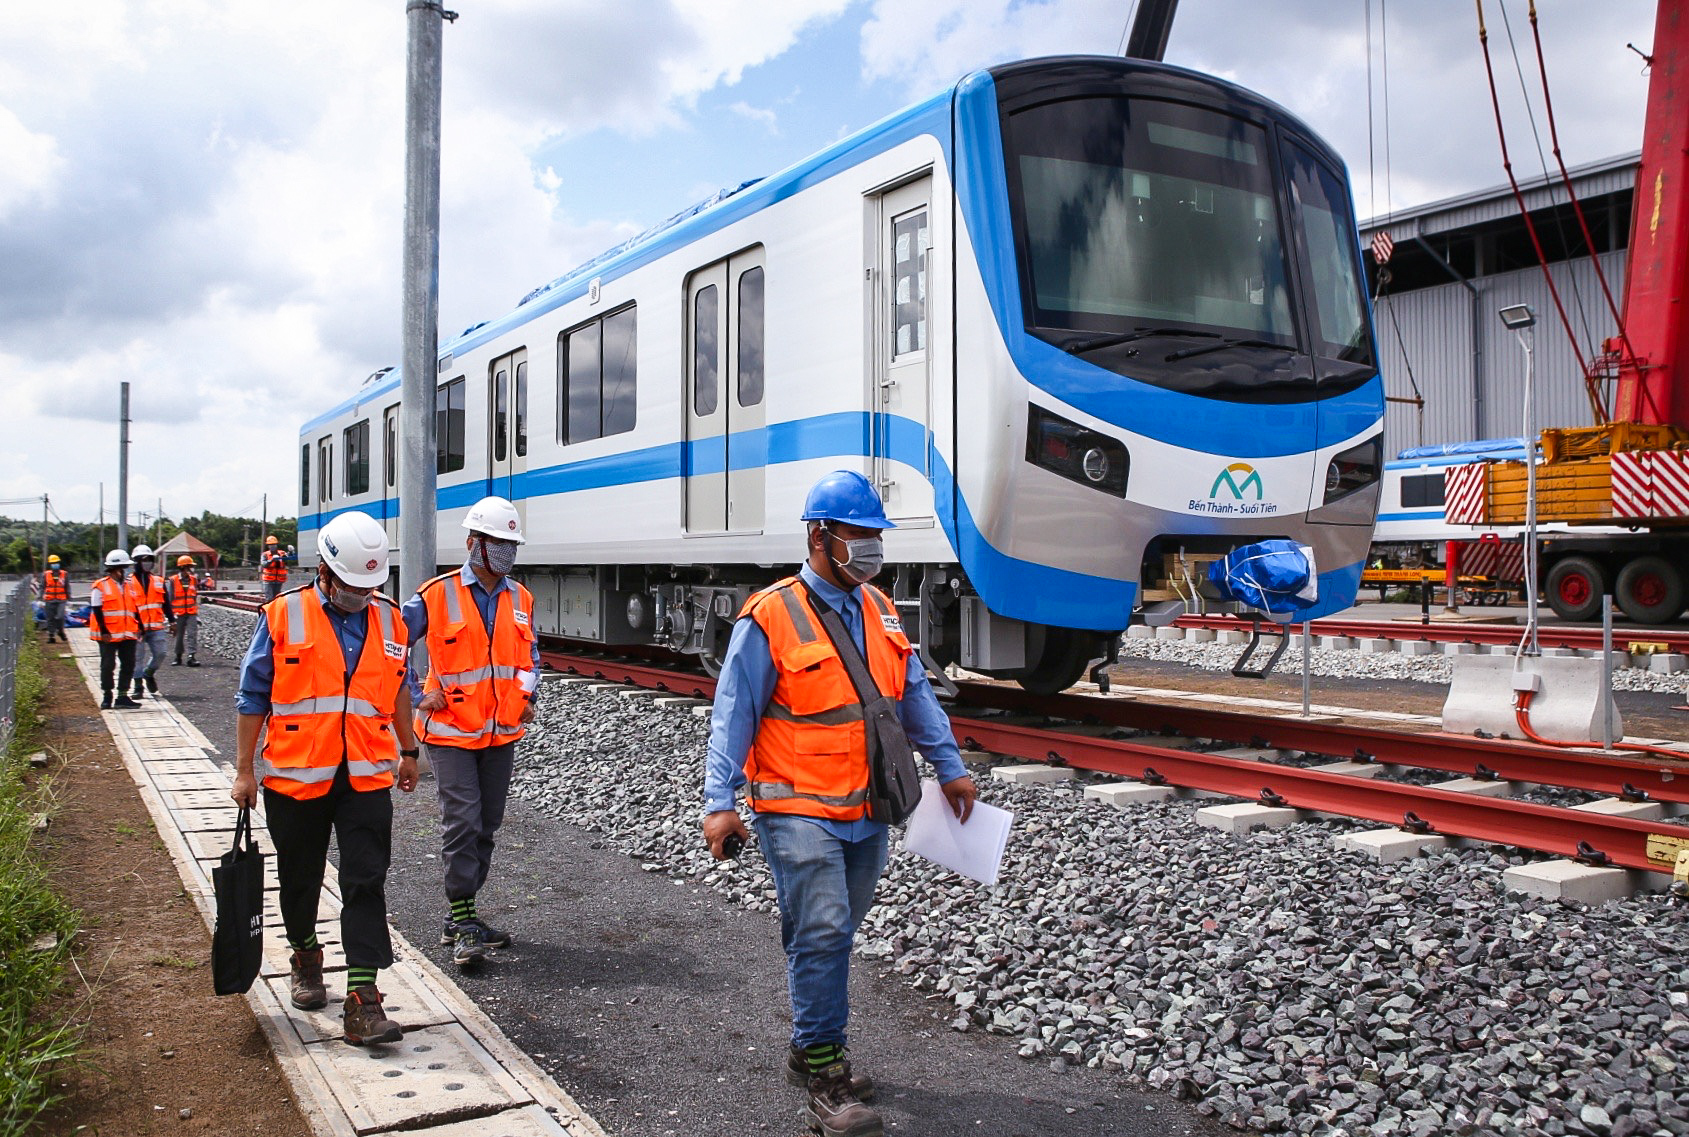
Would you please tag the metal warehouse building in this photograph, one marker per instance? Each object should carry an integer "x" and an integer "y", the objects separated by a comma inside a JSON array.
[{"x": 1455, "y": 262}]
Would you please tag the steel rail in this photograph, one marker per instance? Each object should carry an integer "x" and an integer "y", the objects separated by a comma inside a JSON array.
[
  {"x": 1490, "y": 758},
  {"x": 621, "y": 671},
  {"x": 1586, "y": 639},
  {"x": 1593, "y": 837}
]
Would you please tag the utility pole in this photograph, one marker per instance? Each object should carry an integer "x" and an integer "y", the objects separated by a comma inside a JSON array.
[
  {"x": 100, "y": 549},
  {"x": 44, "y": 531},
  {"x": 123, "y": 471},
  {"x": 263, "y": 517},
  {"x": 158, "y": 526},
  {"x": 245, "y": 535},
  {"x": 419, "y": 363}
]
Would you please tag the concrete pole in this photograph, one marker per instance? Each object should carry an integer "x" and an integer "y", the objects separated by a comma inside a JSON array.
[
  {"x": 45, "y": 527},
  {"x": 123, "y": 472},
  {"x": 421, "y": 311}
]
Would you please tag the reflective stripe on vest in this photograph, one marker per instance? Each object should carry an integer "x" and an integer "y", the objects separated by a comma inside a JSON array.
[
  {"x": 115, "y": 604},
  {"x": 54, "y": 587},
  {"x": 321, "y": 715},
  {"x": 147, "y": 600},
  {"x": 479, "y": 674},
  {"x": 810, "y": 753}
]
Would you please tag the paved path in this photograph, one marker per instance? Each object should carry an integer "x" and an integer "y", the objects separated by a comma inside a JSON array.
[{"x": 455, "y": 1074}]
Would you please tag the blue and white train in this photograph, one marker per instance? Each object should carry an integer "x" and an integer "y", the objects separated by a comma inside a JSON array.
[{"x": 1072, "y": 316}]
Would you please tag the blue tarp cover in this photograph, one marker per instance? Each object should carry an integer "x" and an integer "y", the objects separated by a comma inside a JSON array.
[
  {"x": 1448, "y": 449},
  {"x": 1276, "y": 576}
]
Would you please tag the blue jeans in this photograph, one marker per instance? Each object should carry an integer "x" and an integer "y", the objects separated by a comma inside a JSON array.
[
  {"x": 825, "y": 886},
  {"x": 151, "y": 651}
]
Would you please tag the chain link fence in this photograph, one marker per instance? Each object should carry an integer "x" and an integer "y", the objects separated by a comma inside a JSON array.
[{"x": 15, "y": 602}]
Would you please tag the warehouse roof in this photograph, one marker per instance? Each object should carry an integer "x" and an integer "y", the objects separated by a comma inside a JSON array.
[{"x": 1610, "y": 175}]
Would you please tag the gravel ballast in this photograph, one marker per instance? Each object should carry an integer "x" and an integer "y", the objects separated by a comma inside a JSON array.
[{"x": 1278, "y": 984}]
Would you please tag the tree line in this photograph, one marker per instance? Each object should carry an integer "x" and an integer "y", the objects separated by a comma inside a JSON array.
[{"x": 82, "y": 545}]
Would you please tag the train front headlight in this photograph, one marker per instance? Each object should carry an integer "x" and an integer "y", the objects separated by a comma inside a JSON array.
[
  {"x": 1354, "y": 468},
  {"x": 1076, "y": 452}
]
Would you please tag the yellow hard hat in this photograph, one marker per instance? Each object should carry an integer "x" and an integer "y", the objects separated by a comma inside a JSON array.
[
  {"x": 53, "y": 558},
  {"x": 271, "y": 540},
  {"x": 184, "y": 559}
]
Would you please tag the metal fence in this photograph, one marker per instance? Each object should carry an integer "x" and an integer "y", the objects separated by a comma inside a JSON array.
[{"x": 15, "y": 602}]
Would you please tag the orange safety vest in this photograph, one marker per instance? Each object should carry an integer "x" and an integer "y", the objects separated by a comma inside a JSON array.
[
  {"x": 53, "y": 586},
  {"x": 480, "y": 675},
  {"x": 184, "y": 598},
  {"x": 148, "y": 600},
  {"x": 810, "y": 754},
  {"x": 275, "y": 566},
  {"x": 319, "y": 714},
  {"x": 114, "y": 602}
]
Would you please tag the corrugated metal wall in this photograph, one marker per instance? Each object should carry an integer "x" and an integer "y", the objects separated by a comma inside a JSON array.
[{"x": 1431, "y": 329}]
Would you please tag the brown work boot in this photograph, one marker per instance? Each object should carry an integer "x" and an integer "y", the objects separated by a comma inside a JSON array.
[
  {"x": 364, "y": 1020},
  {"x": 306, "y": 982},
  {"x": 797, "y": 1074},
  {"x": 833, "y": 1111}
]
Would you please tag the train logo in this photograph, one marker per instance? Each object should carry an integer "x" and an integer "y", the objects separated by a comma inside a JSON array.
[{"x": 1229, "y": 478}]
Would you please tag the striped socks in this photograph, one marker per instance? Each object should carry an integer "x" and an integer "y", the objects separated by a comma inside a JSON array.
[
  {"x": 822, "y": 1055},
  {"x": 311, "y": 944},
  {"x": 360, "y": 977},
  {"x": 463, "y": 911}
]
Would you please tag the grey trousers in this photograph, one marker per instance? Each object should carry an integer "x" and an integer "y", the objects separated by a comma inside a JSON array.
[
  {"x": 151, "y": 651},
  {"x": 472, "y": 787},
  {"x": 273, "y": 589},
  {"x": 55, "y": 618},
  {"x": 187, "y": 632}
]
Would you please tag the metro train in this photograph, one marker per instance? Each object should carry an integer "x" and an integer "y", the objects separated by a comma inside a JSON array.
[{"x": 1077, "y": 319}]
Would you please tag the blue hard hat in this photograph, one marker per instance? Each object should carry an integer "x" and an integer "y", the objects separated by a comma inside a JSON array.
[{"x": 848, "y": 497}]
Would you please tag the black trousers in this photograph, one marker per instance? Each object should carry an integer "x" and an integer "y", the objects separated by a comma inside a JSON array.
[
  {"x": 362, "y": 823},
  {"x": 121, "y": 657}
]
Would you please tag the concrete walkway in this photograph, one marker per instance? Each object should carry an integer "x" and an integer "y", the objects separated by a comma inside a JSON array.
[{"x": 454, "y": 1074}]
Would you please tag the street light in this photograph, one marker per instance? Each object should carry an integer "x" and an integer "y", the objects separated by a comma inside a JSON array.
[{"x": 1521, "y": 320}]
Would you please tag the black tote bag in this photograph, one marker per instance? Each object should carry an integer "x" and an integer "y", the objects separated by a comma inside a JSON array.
[{"x": 237, "y": 946}]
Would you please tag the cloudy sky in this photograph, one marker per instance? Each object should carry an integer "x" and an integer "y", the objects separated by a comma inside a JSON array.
[{"x": 205, "y": 197}]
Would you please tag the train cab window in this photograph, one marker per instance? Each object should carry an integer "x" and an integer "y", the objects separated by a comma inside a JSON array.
[
  {"x": 521, "y": 401},
  {"x": 909, "y": 284},
  {"x": 1422, "y": 490},
  {"x": 597, "y": 368},
  {"x": 1339, "y": 307},
  {"x": 357, "y": 458},
  {"x": 448, "y": 426},
  {"x": 305, "y": 475},
  {"x": 390, "y": 417},
  {"x": 750, "y": 337},
  {"x": 706, "y": 350}
]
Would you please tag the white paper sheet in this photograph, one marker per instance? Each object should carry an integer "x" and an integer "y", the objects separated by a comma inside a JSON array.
[{"x": 975, "y": 850}]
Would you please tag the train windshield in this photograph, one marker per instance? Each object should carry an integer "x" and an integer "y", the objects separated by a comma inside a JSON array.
[{"x": 1139, "y": 215}]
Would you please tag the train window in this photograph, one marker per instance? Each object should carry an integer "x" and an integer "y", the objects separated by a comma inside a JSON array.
[
  {"x": 598, "y": 367},
  {"x": 1335, "y": 276},
  {"x": 448, "y": 426},
  {"x": 522, "y": 409},
  {"x": 305, "y": 475},
  {"x": 325, "y": 470},
  {"x": 706, "y": 350},
  {"x": 391, "y": 417},
  {"x": 357, "y": 458},
  {"x": 1422, "y": 490},
  {"x": 500, "y": 424},
  {"x": 909, "y": 284},
  {"x": 750, "y": 337}
]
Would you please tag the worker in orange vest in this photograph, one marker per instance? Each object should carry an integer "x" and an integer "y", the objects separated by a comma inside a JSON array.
[
  {"x": 183, "y": 592},
  {"x": 55, "y": 593},
  {"x": 152, "y": 607},
  {"x": 272, "y": 568},
  {"x": 789, "y": 725},
  {"x": 483, "y": 667},
  {"x": 324, "y": 682},
  {"x": 113, "y": 623}
]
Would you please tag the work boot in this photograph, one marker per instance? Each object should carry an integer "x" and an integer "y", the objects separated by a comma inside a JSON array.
[
  {"x": 491, "y": 936},
  {"x": 364, "y": 1020},
  {"x": 305, "y": 984},
  {"x": 152, "y": 684},
  {"x": 471, "y": 947},
  {"x": 833, "y": 1111},
  {"x": 124, "y": 701},
  {"x": 140, "y": 690},
  {"x": 797, "y": 1074},
  {"x": 105, "y": 701},
  {"x": 177, "y": 662},
  {"x": 192, "y": 662}
]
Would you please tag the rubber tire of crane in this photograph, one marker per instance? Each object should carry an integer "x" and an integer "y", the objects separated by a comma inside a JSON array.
[
  {"x": 1650, "y": 590},
  {"x": 1582, "y": 577}
]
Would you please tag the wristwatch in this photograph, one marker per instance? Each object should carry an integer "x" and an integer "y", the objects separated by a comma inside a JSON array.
[{"x": 407, "y": 753}]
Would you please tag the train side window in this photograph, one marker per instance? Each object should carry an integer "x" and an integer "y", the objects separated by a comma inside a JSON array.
[
  {"x": 909, "y": 283},
  {"x": 750, "y": 337},
  {"x": 305, "y": 475},
  {"x": 501, "y": 415},
  {"x": 582, "y": 363},
  {"x": 1422, "y": 490},
  {"x": 391, "y": 417},
  {"x": 597, "y": 371},
  {"x": 448, "y": 426},
  {"x": 521, "y": 401},
  {"x": 620, "y": 372},
  {"x": 357, "y": 458},
  {"x": 706, "y": 351},
  {"x": 325, "y": 470}
]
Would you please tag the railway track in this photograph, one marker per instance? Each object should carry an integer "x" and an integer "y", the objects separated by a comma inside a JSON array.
[{"x": 1582, "y": 639}]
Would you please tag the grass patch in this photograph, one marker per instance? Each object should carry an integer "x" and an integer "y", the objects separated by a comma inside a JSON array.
[{"x": 35, "y": 1034}]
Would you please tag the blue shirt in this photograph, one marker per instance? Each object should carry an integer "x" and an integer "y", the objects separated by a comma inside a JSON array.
[
  {"x": 747, "y": 683},
  {"x": 258, "y": 669},
  {"x": 415, "y": 613}
]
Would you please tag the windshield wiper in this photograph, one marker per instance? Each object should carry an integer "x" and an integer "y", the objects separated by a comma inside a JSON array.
[
  {"x": 1186, "y": 353},
  {"x": 1114, "y": 338}
]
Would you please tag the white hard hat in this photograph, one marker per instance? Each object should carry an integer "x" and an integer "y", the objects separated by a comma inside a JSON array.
[
  {"x": 496, "y": 517},
  {"x": 354, "y": 546},
  {"x": 141, "y": 551},
  {"x": 117, "y": 557}
]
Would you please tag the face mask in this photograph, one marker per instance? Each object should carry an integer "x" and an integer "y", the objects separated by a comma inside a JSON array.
[
  {"x": 497, "y": 559},
  {"x": 118, "y": 574},
  {"x": 863, "y": 558},
  {"x": 348, "y": 600}
]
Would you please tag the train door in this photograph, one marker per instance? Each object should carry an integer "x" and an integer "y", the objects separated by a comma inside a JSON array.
[
  {"x": 725, "y": 462},
  {"x": 902, "y": 375},
  {"x": 390, "y": 474},
  {"x": 507, "y": 427}
]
